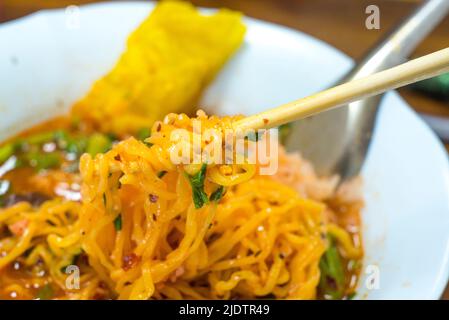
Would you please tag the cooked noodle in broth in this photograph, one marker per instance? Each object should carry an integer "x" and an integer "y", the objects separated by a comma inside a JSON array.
[
  {"x": 92, "y": 205},
  {"x": 139, "y": 233}
]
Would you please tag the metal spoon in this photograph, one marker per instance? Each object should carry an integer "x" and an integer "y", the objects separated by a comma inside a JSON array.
[{"x": 337, "y": 141}]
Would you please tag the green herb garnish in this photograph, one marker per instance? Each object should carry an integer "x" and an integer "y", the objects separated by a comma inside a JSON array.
[
  {"x": 45, "y": 293},
  {"x": 332, "y": 279},
  {"x": 40, "y": 138},
  {"x": 351, "y": 296},
  {"x": 160, "y": 174},
  {"x": 112, "y": 136},
  {"x": 118, "y": 222},
  {"x": 143, "y": 133},
  {"x": 6, "y": 152},
  {"x": 43, "y": 160},
  {"x": 98, "y": 143},
  {"x": 217, "y": 194},
  {"x": 197, "y": 182},
  {"x": 77, "y": 146},
  {"x": 63, "y": 140}
]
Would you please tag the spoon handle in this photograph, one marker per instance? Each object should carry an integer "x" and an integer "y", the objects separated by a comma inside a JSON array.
[{"x": 341, "y": 137}]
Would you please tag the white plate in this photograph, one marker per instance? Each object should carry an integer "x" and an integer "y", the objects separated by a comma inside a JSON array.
[{"x": 46, "y": 64}]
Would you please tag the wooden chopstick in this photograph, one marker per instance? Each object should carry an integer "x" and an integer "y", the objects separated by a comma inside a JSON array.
[{"x": 412, "y": 71}]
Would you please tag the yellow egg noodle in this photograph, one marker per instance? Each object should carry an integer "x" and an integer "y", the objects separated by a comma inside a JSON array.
[{"x": 144, "y": 236}]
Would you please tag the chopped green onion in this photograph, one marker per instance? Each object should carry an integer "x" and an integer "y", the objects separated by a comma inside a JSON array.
[
  {"x": 40, "y": 138},
  {"x": 199, "y": 198},
  {"x": 112, "y": 136},
  {"x": 6, "y": 152},
  {"x": 76, "y": 145},
  {"x": 351, "y": 295},
  {"x": 143, "y": 133},
  {"x": 197, "y": 182},
  {"x": 61, "y": 138},
  {"x": 98, "y": 143},
  {"x": 42, "y": 160},
  {"x": 45, "y": 293},
  {"x": 217, "y": 194},
  {"x": 118, "y": 222},
  {"x": 332, "y": 279},
  {"x": 160, "y": 174}
]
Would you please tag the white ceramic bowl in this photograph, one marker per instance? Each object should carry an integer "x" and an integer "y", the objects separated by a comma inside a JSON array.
[{"x": 46, "y": 63}]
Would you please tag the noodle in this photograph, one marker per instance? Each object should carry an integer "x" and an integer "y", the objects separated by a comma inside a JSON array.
[{"x": 145, "y": 237}]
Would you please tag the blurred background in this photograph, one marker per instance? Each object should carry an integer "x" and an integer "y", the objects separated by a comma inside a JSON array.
[{"x": 340, "y": 23}]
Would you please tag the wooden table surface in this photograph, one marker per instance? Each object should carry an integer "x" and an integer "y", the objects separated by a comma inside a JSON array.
[{"x": 340, "y": 23}]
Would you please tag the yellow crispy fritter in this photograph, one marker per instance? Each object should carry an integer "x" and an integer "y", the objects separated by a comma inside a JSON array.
[{"x": 168, "y": 61}]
